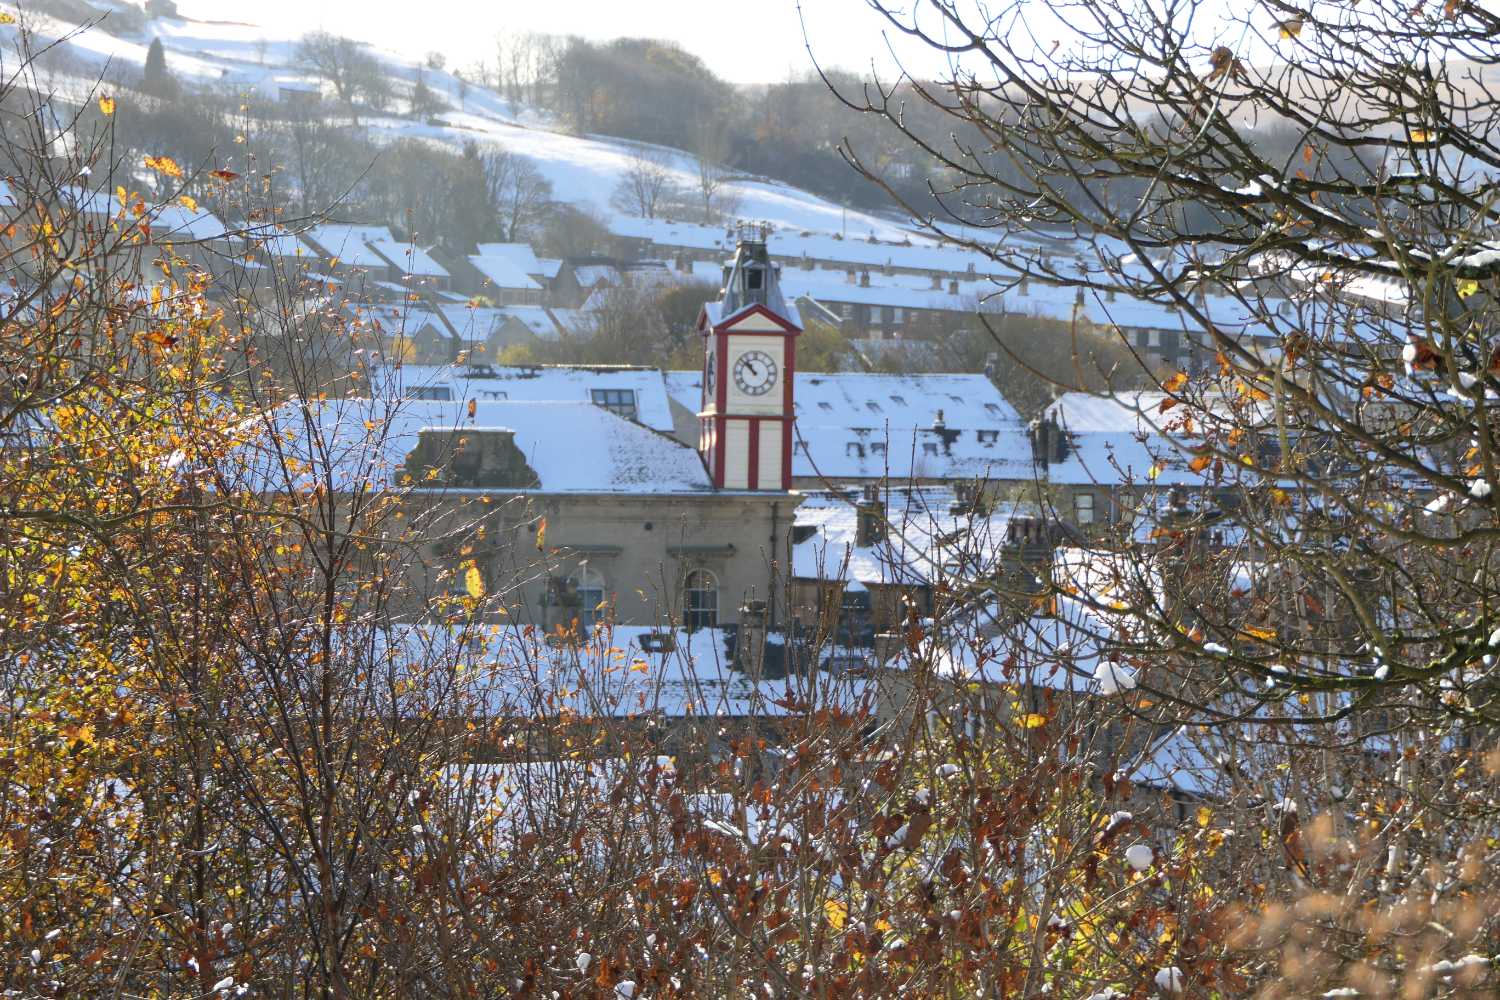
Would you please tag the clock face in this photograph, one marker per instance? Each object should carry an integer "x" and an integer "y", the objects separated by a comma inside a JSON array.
[{"x": 755, "y": 373}]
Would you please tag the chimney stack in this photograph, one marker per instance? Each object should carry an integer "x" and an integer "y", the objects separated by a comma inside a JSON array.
[{"x": 869, "y": 523}]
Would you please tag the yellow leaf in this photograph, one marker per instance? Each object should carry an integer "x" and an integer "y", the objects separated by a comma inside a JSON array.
[
  {"x": 164, "y": 164},
  {"x": 1031, "y": 720},
  {"x": 836, "y": 913},
  {"x": 1153, "y": 472},
  {"x": 1467, "y": 287},
  {"x": 1176, "y": 382},
  {"x": 474, "y": 581},
  {"x": 188, "y": 202},
  {"x": 1421, "y": 135},
  {"x": 1290, "y": 28},
  {"x": 7, "y": 18},
  {"x": 106, "y": 105},
  {"x": 1205, "y": 816},
  {"x": 1257, "y": 632}
]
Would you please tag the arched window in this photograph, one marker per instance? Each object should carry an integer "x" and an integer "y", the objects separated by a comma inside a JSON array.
[
  {"x": 589, "y": 586},
  {"x": 700, "y": 603}
]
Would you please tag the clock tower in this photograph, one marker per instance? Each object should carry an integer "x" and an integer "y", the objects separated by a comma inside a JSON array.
[{"x": 749, "y": 357}]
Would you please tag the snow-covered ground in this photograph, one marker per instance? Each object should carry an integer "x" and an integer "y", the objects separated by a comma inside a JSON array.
[{"x": 584, "y": 171}]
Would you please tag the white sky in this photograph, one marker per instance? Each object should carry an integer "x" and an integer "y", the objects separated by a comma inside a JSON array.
[{"x": 747, "y": 41}]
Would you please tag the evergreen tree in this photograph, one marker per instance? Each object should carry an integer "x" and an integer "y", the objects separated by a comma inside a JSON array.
[{"x": 156, "y": 79}]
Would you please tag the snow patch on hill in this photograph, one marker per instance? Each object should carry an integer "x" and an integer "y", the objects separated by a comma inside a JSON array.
[{"x": 584, "y": 170}]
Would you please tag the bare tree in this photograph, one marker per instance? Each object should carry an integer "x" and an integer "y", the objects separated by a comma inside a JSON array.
[
  {"x": 347, "y": 66},
  {"x": 519, "y": 192},
  {"x": 647, "y": 185},
  {"x": 712, "y": 149}
]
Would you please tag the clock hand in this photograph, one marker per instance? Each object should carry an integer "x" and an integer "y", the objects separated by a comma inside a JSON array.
[{"x": 750, "y": 367}]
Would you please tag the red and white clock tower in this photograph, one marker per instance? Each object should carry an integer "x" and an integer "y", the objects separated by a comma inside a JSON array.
[{"x": 749, "y": 358}]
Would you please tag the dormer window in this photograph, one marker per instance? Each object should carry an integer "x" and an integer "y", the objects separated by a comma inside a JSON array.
[
  {"x": 988, "y": 437},
  {"x": 929, "y": 447},
  {"x": 493, "y": 394},
  {"x": 854, "y": 450},
  {"x": 441, "y": 392},
  {"x": 877, "y": 447},
  {"x": 619, "y": 401}
]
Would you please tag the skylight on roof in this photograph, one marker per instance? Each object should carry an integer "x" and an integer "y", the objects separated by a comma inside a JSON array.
[
  {"x": 873, "y": 406},
  {"x": 825, "y": 405},
  {"x": 899, "y": 400}
]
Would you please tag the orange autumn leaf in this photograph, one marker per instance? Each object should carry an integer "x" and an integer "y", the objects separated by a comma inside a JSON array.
[
  {"x": 1176, "y": 382},
  {"x": 164, "y": 164},
  {"x": 1200, "y": 462},
  {"x": 223, "y": 175}
]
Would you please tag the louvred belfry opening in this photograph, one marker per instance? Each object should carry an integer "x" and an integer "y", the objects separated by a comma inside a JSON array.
[{"x": 749, "y": 359}]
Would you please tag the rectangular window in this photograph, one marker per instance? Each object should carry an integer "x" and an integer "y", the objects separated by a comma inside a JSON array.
[
  {"x": 621, "y": 401},
  {"x": 896, "y": 315},
  {"x": 442, "y": 392},
  {"x": 1083, "y": 508}
]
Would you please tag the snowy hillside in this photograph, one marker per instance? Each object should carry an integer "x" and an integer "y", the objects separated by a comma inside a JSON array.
[{"x": 251, "y": 59}]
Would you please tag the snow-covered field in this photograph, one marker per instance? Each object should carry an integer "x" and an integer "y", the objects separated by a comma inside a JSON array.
[{"x": 248, "y": 58}]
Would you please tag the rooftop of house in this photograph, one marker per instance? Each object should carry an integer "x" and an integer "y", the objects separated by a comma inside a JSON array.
[
  {"x": 571, "y": 447},
  {"x": 408, "y": 258},
  {"x": 523, "y": 257},
  {"x": 1123, "y": 437},
  {"x": 472, "y": 322},
  {"x": 351, "y": 244},
  {"x": 644, "y": 387},
  {"x": 504, "y": 271},
  {"x": 923, "y": 255}
]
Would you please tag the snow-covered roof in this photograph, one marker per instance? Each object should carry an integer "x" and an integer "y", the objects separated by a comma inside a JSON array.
[
  {"x": 914, "y": 255},
  {"x": 564, "y": 383},
  {"x": 350, "y": 243},
  {"x": 481, "y": 322},
  {"x": 504, "y": 271},
  {"x": 397, "y": 317},
  {"x": 573, "y": 447},
  {"x": 519, "y": 254},
  {"x": 1119, "y": 438},
  {"x": 409, "y": 258},
  {"x": 928, "y": 537},
  {"x": 592, "y": 275}
]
